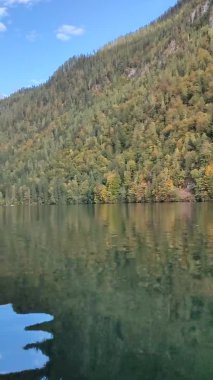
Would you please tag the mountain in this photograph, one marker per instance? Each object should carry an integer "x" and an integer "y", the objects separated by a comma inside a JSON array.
[{"x": 133, "y": 122}]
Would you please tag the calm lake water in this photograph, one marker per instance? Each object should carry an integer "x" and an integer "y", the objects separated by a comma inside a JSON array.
[{"x": 111, "y": 292}]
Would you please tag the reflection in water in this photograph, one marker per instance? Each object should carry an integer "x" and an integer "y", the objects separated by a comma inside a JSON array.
[
  {"x": 130, "y": 288},
  {"x": 18, "y": 339}
]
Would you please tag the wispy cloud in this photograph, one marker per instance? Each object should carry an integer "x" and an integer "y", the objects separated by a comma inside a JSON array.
[
  {"x": 3, "y": 12},
  {"x": 65, "y": 32},
  {"x": 3, "y": 27},
  {"x": 32, "y": 36},
  {"x": 7, "y": 5},
  {"x": 25, "y": 2},
  {"x": 36, "y": 82},
  {"x": 12, "y": 3}
]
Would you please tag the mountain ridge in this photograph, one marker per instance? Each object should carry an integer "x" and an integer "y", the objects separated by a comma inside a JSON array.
[{"x": 131, "y": 123}]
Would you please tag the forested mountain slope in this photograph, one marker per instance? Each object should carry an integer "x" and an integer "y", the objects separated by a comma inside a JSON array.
[{"x": 133, "y": 122}]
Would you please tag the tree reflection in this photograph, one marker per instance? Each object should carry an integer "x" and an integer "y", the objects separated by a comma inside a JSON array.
[{"x": 130, "y": 288}]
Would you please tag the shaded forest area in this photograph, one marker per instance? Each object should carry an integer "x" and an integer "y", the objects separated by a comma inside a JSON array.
[{"x": 130, "y": 123}]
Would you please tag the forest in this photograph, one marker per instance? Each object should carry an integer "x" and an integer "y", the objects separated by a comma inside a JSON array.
[{"x": 132, "y": 122}]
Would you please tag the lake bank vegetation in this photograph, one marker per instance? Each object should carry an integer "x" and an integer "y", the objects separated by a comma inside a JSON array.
[{"x": 130, "y": 123}]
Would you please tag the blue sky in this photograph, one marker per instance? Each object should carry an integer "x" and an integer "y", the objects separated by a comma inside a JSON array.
[{"x": 37, "y": 36}]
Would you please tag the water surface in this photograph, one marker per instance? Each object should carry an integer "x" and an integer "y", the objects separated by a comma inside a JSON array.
[
  {"x": 19, "y": 343},
  {"x": 111, "y": 292}
]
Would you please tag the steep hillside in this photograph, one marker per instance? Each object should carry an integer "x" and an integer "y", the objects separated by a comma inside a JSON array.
[{"x": 133, "y": 122}]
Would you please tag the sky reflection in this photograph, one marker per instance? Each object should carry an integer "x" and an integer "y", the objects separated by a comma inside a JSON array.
[{"x": 15, "y": 356}]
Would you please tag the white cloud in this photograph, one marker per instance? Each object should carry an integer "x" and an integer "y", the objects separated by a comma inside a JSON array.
[
  {"x": 3, "y": 12},
  {"x": 65, "y": 32},
  {"x": 13, "y": 2},
  {"x": 3, "y": 27},
  {"x": 6, "y": 5},
  {"x": 32, "y": 36},
  {"x": 36, "y": 82}
]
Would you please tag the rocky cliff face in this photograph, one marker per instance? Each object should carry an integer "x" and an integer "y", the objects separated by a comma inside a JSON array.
[{"x": 201, "y": 10}]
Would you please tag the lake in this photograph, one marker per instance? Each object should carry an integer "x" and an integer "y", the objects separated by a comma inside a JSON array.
[{"x": 107, "y": 292}]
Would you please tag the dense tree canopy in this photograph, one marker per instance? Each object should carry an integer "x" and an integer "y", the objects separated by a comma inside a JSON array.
[{"x": 133, "y": 122}]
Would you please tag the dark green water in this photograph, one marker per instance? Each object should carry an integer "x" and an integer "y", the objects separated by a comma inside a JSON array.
[{"x": 110, "y": 292}]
